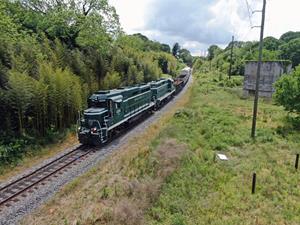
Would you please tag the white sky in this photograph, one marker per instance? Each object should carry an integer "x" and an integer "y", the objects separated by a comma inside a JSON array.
[{"x": 140, "y": 15}]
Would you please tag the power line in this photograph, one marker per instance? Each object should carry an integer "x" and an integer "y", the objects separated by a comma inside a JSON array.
[
  {"x": 245, "y": 34},
  {"x": 250, "y": 12}
]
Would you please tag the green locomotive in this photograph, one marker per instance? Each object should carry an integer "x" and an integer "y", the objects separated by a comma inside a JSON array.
[
  {"x": 112, "y": 109},
  {"x": 161, "y": 90}
]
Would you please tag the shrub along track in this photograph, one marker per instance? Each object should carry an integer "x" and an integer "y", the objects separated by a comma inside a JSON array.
[{"x": 31, "y": 190}]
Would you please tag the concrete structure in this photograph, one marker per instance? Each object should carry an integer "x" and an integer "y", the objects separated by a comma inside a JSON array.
[{"x": 270, "y": 72}]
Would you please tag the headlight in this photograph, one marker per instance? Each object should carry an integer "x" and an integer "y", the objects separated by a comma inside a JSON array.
[{"x": 94, "y": 130}]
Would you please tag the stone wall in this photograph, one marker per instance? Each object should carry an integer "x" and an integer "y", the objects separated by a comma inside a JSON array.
[{"x": 270, "y": 72}]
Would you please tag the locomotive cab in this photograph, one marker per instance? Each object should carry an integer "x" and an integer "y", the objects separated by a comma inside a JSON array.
[
  {"x": 105, "y": 109},
  {"x": 93, "y": 126}
]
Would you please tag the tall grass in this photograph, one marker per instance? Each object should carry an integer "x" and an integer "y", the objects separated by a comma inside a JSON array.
[
  {"x": 169, "y": 175},
  {"x": 205, "y": 191}
]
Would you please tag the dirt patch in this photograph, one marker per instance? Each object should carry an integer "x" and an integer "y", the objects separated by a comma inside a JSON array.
[
  {"x": 139, "y": 194},
  {"x": 117, "y": 193},
  {"x": 168, "y": 155}
]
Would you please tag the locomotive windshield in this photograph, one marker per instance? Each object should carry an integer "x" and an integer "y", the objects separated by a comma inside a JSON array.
[{"x": 98, "y": 104}]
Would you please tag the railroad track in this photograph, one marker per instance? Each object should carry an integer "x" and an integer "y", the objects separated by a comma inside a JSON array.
[
  {"x": 10, "y": 193},
  {"x": 18, "y": 188}
]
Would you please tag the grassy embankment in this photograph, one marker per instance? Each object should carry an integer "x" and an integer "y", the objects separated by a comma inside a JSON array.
[
  {"x": 203, "y": 191},
  {"x": 168, "y": 175}
]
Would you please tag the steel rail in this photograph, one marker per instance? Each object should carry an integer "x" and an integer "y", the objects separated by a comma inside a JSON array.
[
  {"x": 41, "y": 168},
  {"x": 41, "y": 179}
]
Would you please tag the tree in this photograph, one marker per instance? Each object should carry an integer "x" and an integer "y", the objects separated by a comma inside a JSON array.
[
  {"x": 175, "y": 49},
  {"x": 20, "y": 95},
  {"x": 198, "y": 63},
  {"x": 271, "y": 43},
  {"x": 8, "y": 37},
  {"x": 288, "y": 91},
  {"x": 186, "y": 56},
  {"x": 165, "y": 48},
  {"x": 93, "y": 34},
  {"x": 64, "y": 95},
  {"x": 112, "y": 80},
  {"x": 288, "y": 36},
  {"x": 213, "y": 51},
  {"x": 69, "y": 19},
  {"x": 291, "y": 51},
  {"x": 7, "y": 26}
]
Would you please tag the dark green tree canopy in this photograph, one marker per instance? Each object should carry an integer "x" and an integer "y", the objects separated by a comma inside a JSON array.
[
  {"x": 165, "y": 48},
  {"x": 271, "y": 43},
  {"x": 288, "y": 36},
  {"x": 176, "y": 49},
  {"x": 291, "y": 51},
  {"x": 186, "y": 56},
  {"x": 213, "y": 51}
]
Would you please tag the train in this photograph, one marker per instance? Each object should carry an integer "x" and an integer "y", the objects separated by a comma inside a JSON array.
[{"x": 112, "y": 110}]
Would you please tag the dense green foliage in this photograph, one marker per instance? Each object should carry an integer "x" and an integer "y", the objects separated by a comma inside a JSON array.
[
  {"x": 288, "y": 91},
  {"x": 54, "y": 54},
  {"x": 285, "y": 48},
  {"x": 182, "y": 54}
]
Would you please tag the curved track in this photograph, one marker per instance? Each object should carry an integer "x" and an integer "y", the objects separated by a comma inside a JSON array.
[{"x": 17, "y": 188}]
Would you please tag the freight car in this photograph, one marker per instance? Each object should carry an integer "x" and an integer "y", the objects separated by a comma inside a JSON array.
[
  {"x": 183, "y": 78},
  {"x": 113, "y": 109}
]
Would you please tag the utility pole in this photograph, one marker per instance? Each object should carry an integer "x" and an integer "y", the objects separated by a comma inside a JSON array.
[
  {"x": 258, "y": 70},
  {"x": 231, "y": 54}
]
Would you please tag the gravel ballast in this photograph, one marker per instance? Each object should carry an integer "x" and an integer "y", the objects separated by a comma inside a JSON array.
[{"x": 36, "y": 197}]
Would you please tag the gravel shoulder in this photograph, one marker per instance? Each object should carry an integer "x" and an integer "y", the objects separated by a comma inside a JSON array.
[{"x": 45, "y": 191}]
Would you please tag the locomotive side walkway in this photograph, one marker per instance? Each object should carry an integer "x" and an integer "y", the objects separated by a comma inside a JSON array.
[{"x": 32, "y": 200}]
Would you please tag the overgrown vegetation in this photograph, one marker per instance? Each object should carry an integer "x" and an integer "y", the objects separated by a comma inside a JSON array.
[
  {"x": 208, "y": 191},
  {"x": 285, "y": 48},
  {"x": 288, "y": 91},
  {"x": 54, "y": 54}
]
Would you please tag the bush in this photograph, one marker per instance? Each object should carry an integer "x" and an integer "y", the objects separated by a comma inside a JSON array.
[
  {"x": 288, "y": 91},
  {"x": 9, "y": 153}
]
